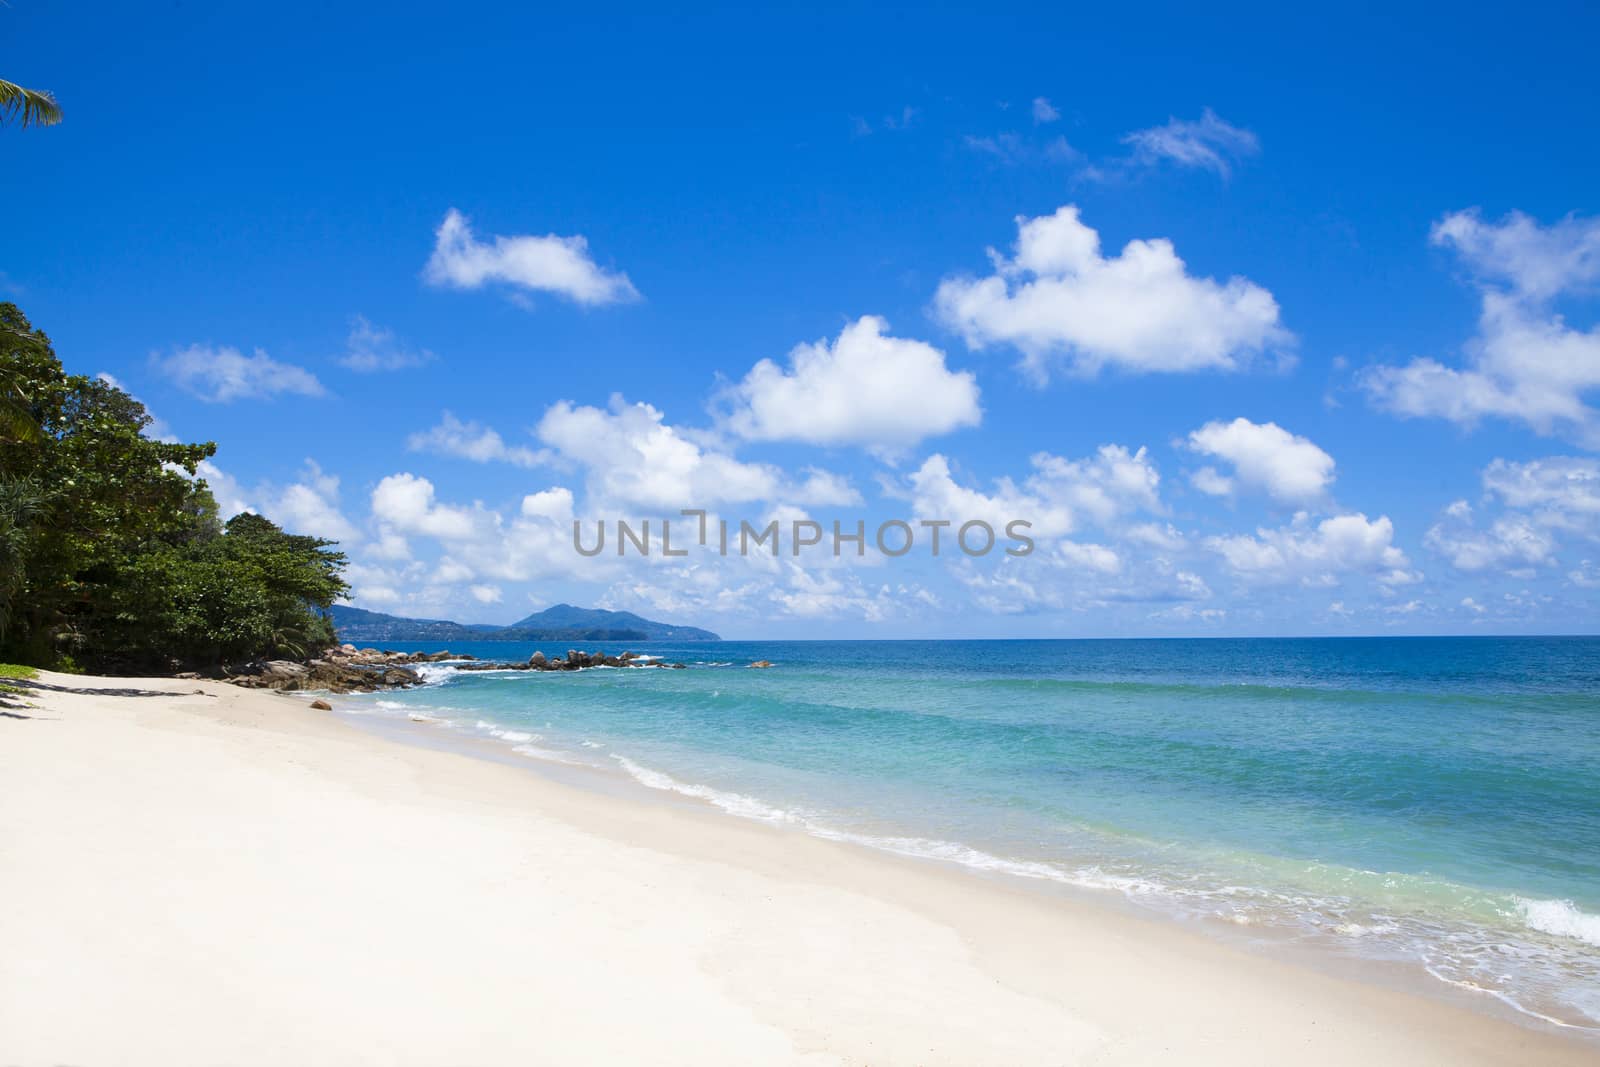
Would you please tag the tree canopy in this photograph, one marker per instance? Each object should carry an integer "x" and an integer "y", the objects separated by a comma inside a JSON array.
[{"x": 112, "y": 554}]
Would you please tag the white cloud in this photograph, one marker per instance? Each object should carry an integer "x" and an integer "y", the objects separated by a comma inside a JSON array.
[
  {"x": 867, "y": 388},
  {"x": 551, "y": 264},
  {"x": 826, "y": 489},
  {"x": 1566, "y": 489},
  {"x": 786, "y": 589},
  {"x": 1207, "y": 143},
  {"x": 374, "y": 348},
  {"x": 1525, "y": 363},
  {"x": 1508, "y": 540},
  {"x": 471, "y": 440},
  {"x": 405, "y": 502},
  {"x": 1088, "y": 556},
  {"x": 1043, "y": 111},
  {"x": 1310, "y": 551},
  {"x": 311, "y": 506},
  {"x": 534, "y": 542},
  {"x": 1140, "y": 311},
  {"x": 1166, "y": 538},
  {"x": 1535, "y": 261},
  {"x": 219, "y": 375},
  {"x": 1056, "y": 498},
  {"x": 632, "y": 456},
  {"x": 1265, "y": 456},
  {"x": 1544, "y": 498},
  {"x": 1077, "y": 576},
  {"x": 389, "y": 545},
  {"x": 231, "y": 497},
  {"x": 1211, "y": 481},
  {"x": 1111, "y": 483},
  {"x": 486, "y": 594},
  {"x": 451, "y": 571},
  {"x": 937, "y": 496}
]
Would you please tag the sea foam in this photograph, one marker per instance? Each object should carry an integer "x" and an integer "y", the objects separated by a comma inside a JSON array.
[{"x": 1560, "y": 917}]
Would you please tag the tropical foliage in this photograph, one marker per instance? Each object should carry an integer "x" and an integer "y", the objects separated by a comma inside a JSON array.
[
  {"x": 112, "y": 554},
  {"x": 27, "y": 107}
]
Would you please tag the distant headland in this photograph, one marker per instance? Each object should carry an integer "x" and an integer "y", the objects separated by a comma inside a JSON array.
[{"x": 563, "y": 622}]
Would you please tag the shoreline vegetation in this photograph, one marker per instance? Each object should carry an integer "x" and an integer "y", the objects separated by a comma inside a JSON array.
[
  {"x": 114, "y": 557},
  {"x": 343, "y": 897}
]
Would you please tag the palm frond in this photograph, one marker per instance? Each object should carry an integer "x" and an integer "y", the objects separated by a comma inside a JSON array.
[{"x": 27, "y": 107}]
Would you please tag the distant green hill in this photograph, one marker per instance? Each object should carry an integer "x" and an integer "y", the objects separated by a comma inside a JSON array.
[
  {"x": 567, "y": 617},
  {"x": 562, "y": 622}
]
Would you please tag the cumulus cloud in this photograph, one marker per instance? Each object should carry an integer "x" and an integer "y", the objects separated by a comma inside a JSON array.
[
  {"x": 1265, "y": 457},
  {"x": 471, "y": 440},
  {"x": 1057, "y": 498},
  {"x": 1566, "y": 489},
  {"x": 1525, "y": 363},
  {"x": 405, "y": 503},
  {"x": 1044, "y": 111},
  {"x": 1078, "y": 576},
  {"x": 1508, "y": 541},
  {"x": 219, "y": 375},
  {"x": 311, "y": 506},
  {"x": 231, "y": 497},
  {"x": 372, "y": 348},
  {"x": 1206, "y": 143},
  {"x": 1544, "y": 501},
  {"x": 631, "y": 455},
  {"x": 534, "y": 541},
  {"x": 1315, "y": 552},
  {"x": 549, "y": 264},
  {"x": 866, "y": 388},
  {"x": 308, "y": 506},
  {"x": 1140, "y": 311}
]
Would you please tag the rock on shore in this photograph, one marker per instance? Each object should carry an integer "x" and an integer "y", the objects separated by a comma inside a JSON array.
[
  {"x": 347, "y": 669},
  {"x": 574, "y": 661},
  {"x": 344, "y": 669}
]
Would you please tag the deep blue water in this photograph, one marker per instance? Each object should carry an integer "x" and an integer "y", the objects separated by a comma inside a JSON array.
[{"x": 1435, "y": 800}]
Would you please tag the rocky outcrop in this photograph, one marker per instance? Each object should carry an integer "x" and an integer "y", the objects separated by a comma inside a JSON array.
[
  {"x": 574, "y": 660},
  {"x": 344, "y": 669},
  {"x": 347, "y": 669}
]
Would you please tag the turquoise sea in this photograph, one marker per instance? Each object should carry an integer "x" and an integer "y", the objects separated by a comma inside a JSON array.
[{"x": 1428, "y": 800}]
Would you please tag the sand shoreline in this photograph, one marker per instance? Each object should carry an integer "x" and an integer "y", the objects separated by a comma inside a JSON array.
[{"x": 236, "y": 878}]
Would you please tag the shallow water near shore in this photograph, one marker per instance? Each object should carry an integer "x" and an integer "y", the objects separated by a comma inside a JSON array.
[{"x": 1434, "y": 801}]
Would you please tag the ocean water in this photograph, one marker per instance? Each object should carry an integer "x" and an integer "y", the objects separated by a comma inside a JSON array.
[{"x": 1434, "y": 801}]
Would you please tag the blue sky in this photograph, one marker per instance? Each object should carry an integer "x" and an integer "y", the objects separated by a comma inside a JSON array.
[{"x": 398, "y": 263}]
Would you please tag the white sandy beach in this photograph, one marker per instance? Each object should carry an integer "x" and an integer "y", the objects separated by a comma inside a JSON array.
[{"x": 234, "y": 878}]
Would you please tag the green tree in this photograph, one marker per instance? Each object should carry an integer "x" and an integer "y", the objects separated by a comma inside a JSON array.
[{"x": 110, "y": 543}]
